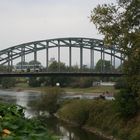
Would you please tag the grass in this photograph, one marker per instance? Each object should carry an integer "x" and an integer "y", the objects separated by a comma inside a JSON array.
[
  {"x": 101, "y": 116},
  {"x": 97, "y": 89}
]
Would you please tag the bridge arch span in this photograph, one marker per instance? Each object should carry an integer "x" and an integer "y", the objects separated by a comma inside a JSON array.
[{"x": 7, "y": 56}]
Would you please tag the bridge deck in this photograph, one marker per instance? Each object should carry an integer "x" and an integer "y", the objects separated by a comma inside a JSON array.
[{"x": 72, "y": 74}]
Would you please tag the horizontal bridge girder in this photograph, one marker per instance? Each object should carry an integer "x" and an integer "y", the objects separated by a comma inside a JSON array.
[{"x": 80, "y": 74}]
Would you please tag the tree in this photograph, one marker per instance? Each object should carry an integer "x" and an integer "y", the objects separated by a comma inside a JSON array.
[
  {"x": 104, "y": 65},
  {"x": 34, "y": 82},
  {"x": 50, "y": 100},
  {"x": 120, "y": 25},
  {"x": 55, "y": 67},
  {"x": 8, "y": 82}
]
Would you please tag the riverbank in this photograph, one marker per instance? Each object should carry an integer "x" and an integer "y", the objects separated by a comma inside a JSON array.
[
  {"x": 28, "y": 99},
  {"x": 97, "y": 90},
  {"x": 99, "y": 117},
  {"x": 88, "y": 129}
]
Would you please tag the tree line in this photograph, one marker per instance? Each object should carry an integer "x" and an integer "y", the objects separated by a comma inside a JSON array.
[{"x": 64, "y": 81}]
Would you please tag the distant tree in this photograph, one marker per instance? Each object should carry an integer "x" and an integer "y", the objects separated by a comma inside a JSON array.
[
  {"x": 74, "y": 68},
  {"x": 62, "y": 80},
  {"x": 104, "y": 65},
  {"x": 57, "y": 66},
  {"x": 3, "y": 68},
  {"x": 82, "y": 82},
  {"x": 34, "y": 82},
  {"x": 8, "y": 82}
]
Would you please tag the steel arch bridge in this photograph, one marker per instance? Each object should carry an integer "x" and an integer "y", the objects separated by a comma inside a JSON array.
[{"x": 7, "y": 56}]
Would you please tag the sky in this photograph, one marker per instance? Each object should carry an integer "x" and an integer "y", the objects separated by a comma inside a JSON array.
[{"x": 24, "y": 21}]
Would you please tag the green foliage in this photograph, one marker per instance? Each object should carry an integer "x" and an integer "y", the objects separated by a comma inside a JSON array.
[
  {"x": 121, "y": 83},
  {"x": 120, "y": 26},
  {"x": 75, "y": 111},
  {"x": 126, "y": 104},
  {"x": 34, "y": 82},
  {"x": 49, "y": 100},
  {"x": 101, "y": 115},
  {"x": 82, "y": 82},
  {"x": 104, "y": 65},
  {"x": 3, "y": 68},
  {"x": 8, "y": 82},
  {"x": 12, "y": 119},
  {"x": 55, "y": 67}
]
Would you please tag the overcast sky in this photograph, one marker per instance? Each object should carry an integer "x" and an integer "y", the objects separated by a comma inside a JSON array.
[
  {"x": 24, "y": 21},
  {"x": 29, "y": 20}
]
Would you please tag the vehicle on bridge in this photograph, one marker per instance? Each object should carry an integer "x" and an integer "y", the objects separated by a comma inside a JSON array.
[{"x": 32, "y": 66}]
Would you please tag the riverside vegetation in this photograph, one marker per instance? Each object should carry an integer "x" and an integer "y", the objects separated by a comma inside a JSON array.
[
  {"x": 100, "y": 116},
  {"x": 14, "y": 126}
]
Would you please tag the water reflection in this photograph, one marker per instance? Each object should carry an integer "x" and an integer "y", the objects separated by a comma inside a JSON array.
[
  {"x": 64, "y": 131},
  {"x": 67, "y": 132}
]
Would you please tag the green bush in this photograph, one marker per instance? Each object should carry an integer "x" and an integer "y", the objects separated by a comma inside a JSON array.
[
  {"x": 101, "y": 115},
  {"x": 8, "y": 82},
  {"x": 20, "y": 128},
  {"x": 50, "y": 100},
  {"x": 126, "y": 103},
  {"x": 34, "y": 82},
  {"x": 82, "y": 82},
  {"x": 121, "y": 83},
  {"x": 76, "y": 111}
]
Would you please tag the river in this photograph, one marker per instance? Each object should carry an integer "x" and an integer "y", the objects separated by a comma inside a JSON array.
[{"x": 62, "y": 130}]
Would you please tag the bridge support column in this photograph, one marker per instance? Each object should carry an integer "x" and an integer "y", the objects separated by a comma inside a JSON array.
[
  {"x": 81, "y": 57},
  {"x": 35, "y": 56},
  {"x": 114, "y": 59},
  {"x": 111, "y": 62},
  {"x": 22, "y": 56},
  {"x": 11, "y": 61},
  {"x": 70, "y": 56},
  {"x": 103, "y": 67},
  {"x": 59, "y": 56},
  {"x": 92, "y": 58},
  {"x": 47, "y": 57},
  {"x": 8, "y": 62},
  {"x": 101, "y": 70}
]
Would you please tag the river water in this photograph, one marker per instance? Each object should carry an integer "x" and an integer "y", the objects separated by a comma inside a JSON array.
[{"x": 62, "y": 130}]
